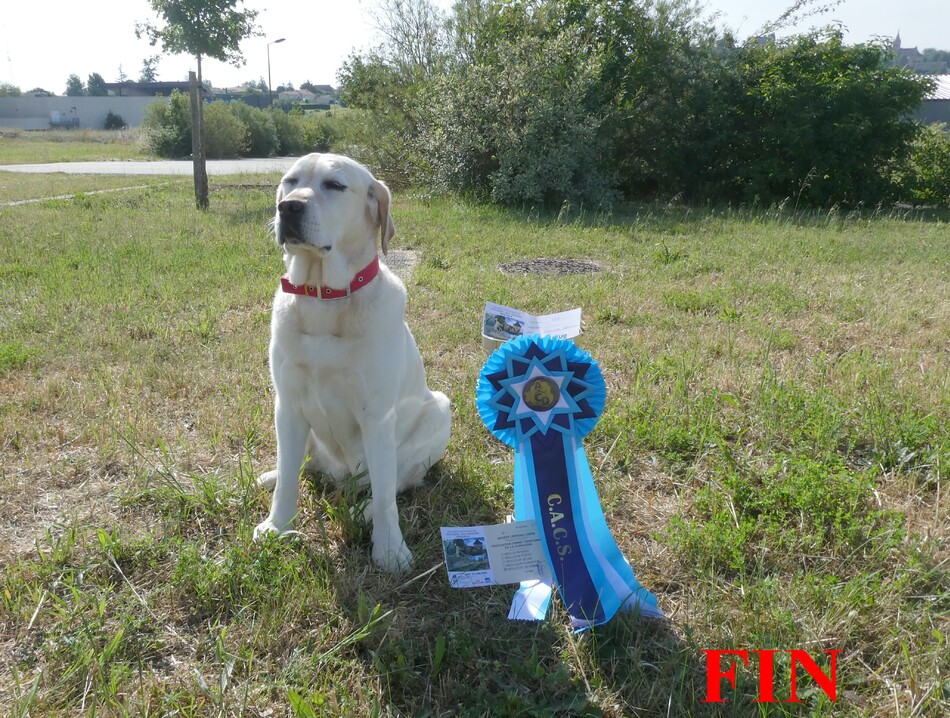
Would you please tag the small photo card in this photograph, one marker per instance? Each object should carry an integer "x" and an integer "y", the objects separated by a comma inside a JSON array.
[
  {"x": 504, "y": 323},
  {"x": 488, "y": 555}
]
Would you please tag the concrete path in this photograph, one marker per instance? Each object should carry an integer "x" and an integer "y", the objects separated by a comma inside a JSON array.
[{"x": 162, "y": 167}]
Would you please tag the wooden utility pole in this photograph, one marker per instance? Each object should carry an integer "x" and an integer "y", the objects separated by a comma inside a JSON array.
[{"x": 198, "y": 141}]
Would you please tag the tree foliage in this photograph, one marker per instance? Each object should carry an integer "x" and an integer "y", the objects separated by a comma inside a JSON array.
[
  {"x": 932, "y": 54},
  {"x": 149, "y": 72},
  {"x": 201, "y": 28},
  {"x": 96, "y": 85},
  {"x": 226, "y": 134},
  {"x": 236, "y": 129},
  {"x": 417, "y": 36},
  {"x": 547, "y": 101},
  {"x": 926, "y": 173},
  {"x": 166, "y": 127},
  {"x": 493, "y": 125},
  {"x": 821, "y": 121},
  {"x": 74, "y": 86}
]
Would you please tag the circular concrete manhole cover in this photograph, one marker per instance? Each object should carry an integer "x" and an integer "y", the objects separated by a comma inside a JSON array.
[{"x": 557, "y": 266}]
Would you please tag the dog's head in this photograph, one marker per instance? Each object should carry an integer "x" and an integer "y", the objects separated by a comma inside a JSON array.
[{"x": 328, "y": 203}]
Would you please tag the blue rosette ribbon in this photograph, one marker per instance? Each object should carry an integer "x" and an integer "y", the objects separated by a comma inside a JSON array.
[{"x": 541, "y": 395}]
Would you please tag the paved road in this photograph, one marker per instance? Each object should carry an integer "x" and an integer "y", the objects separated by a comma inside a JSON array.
[{"x": 164, "y": 167}]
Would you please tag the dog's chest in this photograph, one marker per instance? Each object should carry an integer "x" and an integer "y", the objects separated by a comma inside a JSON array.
[
  {"x": 319, "y": 320},
  {"x": 322, "y": 341}
]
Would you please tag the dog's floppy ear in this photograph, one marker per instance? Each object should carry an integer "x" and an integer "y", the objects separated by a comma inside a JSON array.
[{"x": 379, "y": 200}]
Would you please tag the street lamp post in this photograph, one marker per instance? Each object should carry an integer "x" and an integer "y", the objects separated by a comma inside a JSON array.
[{"x": 270, "y": 96}]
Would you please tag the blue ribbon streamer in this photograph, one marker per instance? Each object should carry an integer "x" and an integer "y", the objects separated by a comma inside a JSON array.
[{"x": 542, "y": 395}]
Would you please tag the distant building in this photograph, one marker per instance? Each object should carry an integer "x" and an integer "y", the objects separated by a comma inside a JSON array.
[
  {"x": 912, "y": 59},
  {"x": 296, "y": 96},
  {"x": 148, "y": 89}
]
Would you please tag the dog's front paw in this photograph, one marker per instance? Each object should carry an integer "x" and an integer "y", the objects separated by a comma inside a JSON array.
[
  {"x": 394, "y": 559},
  {"x": 267, "y": 480},
  {"x": 269, "y": 528}
]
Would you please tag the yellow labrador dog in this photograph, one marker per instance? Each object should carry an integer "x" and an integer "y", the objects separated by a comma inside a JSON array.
[{"x": 351, "y": 389}]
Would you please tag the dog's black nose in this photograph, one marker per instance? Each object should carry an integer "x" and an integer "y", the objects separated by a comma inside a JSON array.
[{"x": 290, "y": 206}]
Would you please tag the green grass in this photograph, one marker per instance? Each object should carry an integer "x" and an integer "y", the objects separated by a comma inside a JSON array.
[
  {"x": 19, "y": 147},
  {"x": 772, "y": 460},
  {"x": 28, "y": 187}
]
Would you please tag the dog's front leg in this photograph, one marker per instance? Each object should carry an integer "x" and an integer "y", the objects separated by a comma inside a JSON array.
[
  {"x": 390, "y": 551},
  {"x": 292, "y": 432}
]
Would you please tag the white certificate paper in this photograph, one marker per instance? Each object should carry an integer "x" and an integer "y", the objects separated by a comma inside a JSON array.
[
  {"x": 489, "y": 555},
  {"x": 504, "y": 323}
]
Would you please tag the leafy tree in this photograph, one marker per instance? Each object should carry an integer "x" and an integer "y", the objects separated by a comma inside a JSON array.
[
  {"x": 933, "y": 55},
  {"x": 96, "y": 86},
  {"x": 416, "y": 33},
  {"x": 367, "y": 82},
  {"x": 74, "y": 87},
  {"x": 655, "y": 69},
  {"x": 9, "y": 90},
  {"x": 201, "y": 28},
  {"x": 149, "y": 72}
]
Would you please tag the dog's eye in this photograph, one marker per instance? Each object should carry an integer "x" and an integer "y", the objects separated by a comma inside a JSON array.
[
  {"x": 292, "y": 181},
  {"x": 334, "y": 185}
]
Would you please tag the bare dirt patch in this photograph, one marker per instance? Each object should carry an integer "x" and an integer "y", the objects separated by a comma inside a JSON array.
[{"x": 557, "y": 266}]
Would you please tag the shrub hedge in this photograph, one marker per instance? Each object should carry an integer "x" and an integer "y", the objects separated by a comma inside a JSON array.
[{"x": 236, "y": 129}]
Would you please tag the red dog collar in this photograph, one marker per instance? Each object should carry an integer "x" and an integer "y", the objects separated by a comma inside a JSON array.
[{"x": 361, "y": 279}]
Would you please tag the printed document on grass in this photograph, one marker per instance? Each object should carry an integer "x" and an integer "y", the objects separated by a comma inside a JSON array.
[{"x": 489, "y": 555}]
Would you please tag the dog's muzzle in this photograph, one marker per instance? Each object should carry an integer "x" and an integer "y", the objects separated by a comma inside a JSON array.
[{"x": 290, "y": 213}]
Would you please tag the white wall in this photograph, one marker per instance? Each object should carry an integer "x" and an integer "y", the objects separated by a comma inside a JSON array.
[{"x": 33, "y": 113}]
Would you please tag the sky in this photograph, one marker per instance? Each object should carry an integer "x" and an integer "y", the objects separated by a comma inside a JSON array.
[{"x": 42, "y": 45}]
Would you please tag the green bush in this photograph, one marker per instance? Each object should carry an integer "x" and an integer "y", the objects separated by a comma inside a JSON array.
[
  {"x": 817, "y": 122},
  {"x": 392, "y": 106},
  {"x": 262, "y": 140},
  {"x": 225, "y": 134},
  {"x": 114, "y": 122},
  {"x": 166, "y": 128},
  {"x": 233, "y": 130},
  {"x": 496, "y": 127},
  {"x": 316, "y": 138},
  {"x": 558, "y": 100},
  {"x": 925, "y": 178},
  {"x": 290, "y": 132},
  {"x": 299, "y": 133}
]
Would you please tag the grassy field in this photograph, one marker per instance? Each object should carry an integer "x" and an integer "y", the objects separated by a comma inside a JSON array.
[
  {"x": 19, "y": 147},
  {"x": 772, "y": 461}
]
